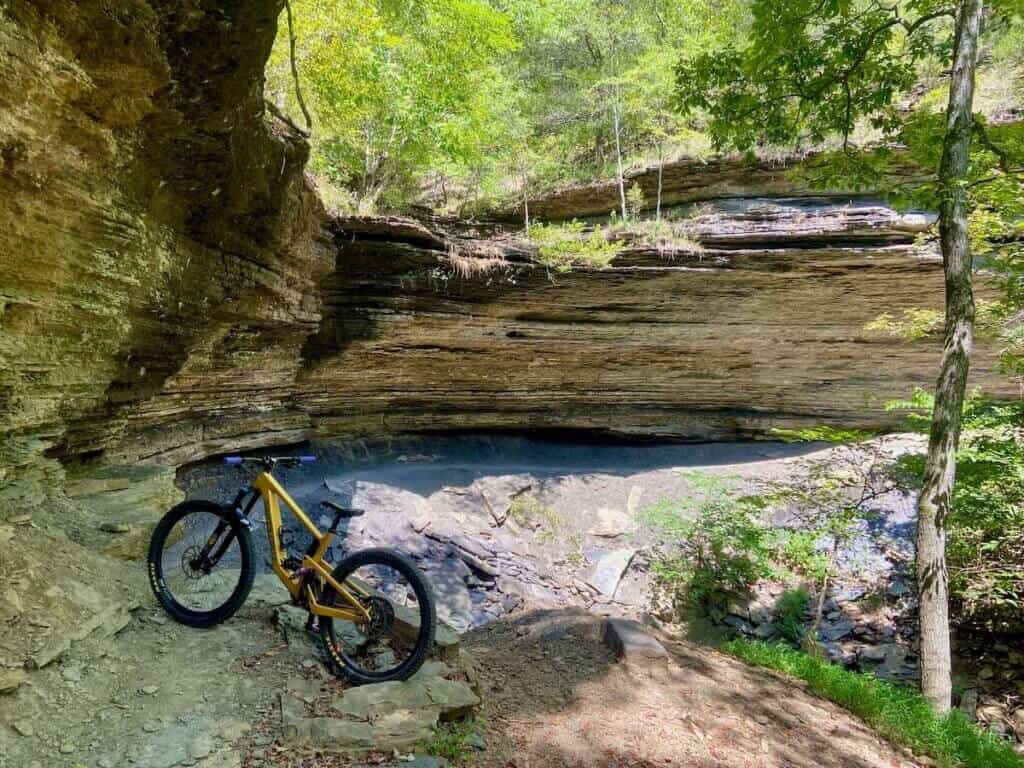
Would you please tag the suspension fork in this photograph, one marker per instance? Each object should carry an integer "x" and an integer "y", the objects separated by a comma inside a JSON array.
[{"x": 242, "y": 515}]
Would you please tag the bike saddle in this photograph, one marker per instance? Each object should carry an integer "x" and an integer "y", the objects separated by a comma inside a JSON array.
[{"x": 342, "y": 511}]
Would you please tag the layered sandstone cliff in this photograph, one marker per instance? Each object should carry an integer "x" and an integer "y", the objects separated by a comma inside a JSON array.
[
  {"x": 170, "y": 287},
  {"x": 150, "y": 209}
]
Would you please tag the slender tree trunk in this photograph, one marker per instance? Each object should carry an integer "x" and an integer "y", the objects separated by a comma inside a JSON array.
[
  {"x": 618, "y": 158},
  {"x": 661, "y": 167},
  {"x": 526, "y": 203},
  {"x": 934, "y": 505}
]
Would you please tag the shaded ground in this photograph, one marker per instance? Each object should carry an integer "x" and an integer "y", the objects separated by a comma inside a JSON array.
[{"x": 554, "y": 696}]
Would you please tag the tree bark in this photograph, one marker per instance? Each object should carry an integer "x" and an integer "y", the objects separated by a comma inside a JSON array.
[
  {"x": 935, "y": 502},
  {"x": 526, "y": 203},
  {"x": 618, "y": 158},
  {"x": 661, "y": 167}
]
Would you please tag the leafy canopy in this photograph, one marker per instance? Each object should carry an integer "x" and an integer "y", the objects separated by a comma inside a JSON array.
[{"x": 812, "y": 69}]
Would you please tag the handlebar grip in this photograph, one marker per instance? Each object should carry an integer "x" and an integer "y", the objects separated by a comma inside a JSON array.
[
  {"x": 232, "y": 459},
  {"x": 307, "y": 459}
]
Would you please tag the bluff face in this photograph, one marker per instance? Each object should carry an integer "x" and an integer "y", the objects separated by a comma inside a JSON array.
[
  {"x": 156, "y": 227},
  {"x": 170, "y": 287},
  {"x": 766, "y": 328}
]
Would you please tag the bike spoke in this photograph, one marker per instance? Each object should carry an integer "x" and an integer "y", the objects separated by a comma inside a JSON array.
[
  {"x": 193, "y": 579},
  {"x": 385, "y": 641}
]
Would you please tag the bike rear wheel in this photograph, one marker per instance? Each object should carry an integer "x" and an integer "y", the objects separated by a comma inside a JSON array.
[
  {"x": 201, "y": 563},
  {"x": 395, "y": 641}
]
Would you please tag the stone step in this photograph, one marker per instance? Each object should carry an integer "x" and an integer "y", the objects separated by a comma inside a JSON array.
[
  {"x": 376, "y": 717},
  {"x": 631, "y": 642}
]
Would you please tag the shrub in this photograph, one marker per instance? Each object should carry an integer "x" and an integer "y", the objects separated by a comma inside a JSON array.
[
  {"x": 897, "y": 713},
  {"x": 564, "y": 246},
  {"x": 985, "y": 549},
  {"x": 713, "y": 546},
  {"x": 792, "y": 607}
]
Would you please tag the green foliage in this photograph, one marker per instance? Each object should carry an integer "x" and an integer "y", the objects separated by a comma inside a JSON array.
[
  {"x": 530, "y": 512},
  {"x": 564, "y": 246},
  {"x": 713, "y": 544},
  {"x": 792, "y": 607},
  {"x": 811, "y": 70},
  {"x": 801, "y": 554},
  {"x": 823, "y": 434},
  {"x": 915, "y": 323},
  {"x": 453, "y": 741},
  {"x": 985, "y": 548},
  {"x": 897, "y": 713},
  {"x": 395, "y": 88},
  {"x": 668, "y": 238}
]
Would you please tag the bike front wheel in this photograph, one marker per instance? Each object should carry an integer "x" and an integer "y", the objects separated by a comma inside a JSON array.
[
  {"x": 399, "y": 633},
  {"x": 201, "y": 563}
]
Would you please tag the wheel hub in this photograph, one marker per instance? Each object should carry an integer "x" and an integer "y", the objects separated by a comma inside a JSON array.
[
  {"x": 191, "y": 563},
  {"x": 382, "y": 618}
]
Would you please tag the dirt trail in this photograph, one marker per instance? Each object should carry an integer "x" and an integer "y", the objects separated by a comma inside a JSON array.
[
  {"x": 159, "y": 695},
  {"x": 554, "y": 696}
]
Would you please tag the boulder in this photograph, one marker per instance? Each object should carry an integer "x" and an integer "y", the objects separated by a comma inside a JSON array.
[
  {"x": 11, "y": 680},
  {"x": 630, "y": 641},
  {"x": 608, "y": 571}
]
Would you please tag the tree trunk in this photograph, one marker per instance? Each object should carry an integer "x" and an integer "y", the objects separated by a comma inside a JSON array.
[
  {"x": 526, "y": 203},
  {"x": 934, "y": 504},
  {"x": 618, "y": 159},
  {"x": 661, "y": 167}
]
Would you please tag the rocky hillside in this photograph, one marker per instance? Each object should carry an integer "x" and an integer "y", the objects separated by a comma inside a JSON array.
[{"x": 171, "y": 287}]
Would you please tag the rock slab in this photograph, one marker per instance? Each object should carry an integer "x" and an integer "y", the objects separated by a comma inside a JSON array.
[
  {"x": 607, "y": 573},
  {"x": 630, "y": 642}
]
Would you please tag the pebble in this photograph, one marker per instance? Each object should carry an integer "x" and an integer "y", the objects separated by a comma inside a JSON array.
[
  {"x": 67, "y": 748},
  {"x": 24, "y": 727},
  {"x": 149, "y": 690}
]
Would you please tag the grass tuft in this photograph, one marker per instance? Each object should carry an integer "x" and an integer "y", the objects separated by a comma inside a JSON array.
[{"x": 899, "y": 714}]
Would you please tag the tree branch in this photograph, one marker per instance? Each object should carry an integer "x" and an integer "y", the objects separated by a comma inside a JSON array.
[{"x": 295, "y": 70}]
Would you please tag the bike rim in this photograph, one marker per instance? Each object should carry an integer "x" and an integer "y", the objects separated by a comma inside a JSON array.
[
  {"x": 380, "y": 646},
  {"x": 200, "y": 569}
]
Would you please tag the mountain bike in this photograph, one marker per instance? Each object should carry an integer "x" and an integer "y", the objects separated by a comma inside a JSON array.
[{"x": 374, "y": 610}]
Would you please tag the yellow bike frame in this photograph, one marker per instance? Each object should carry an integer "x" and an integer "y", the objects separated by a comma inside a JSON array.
[{"x": 271, "y": 491}]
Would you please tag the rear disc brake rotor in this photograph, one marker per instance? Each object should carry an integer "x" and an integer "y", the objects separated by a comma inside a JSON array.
[{"x": 382, "y": 618}]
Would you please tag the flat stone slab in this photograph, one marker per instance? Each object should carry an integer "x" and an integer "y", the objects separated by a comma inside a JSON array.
[
  {"x": 448, "y": 699},
  {"x": 630, "y": 642},
  {"x": 607, "y": 573},
  {"x": 378, "y": 717},
  {"x": 610, "y": 523},
  {"x": 392, "y": 730}
]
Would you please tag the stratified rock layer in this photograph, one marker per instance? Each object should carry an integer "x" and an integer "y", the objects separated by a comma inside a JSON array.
[
  {"x": 170, "y": 287},
  {"x": 157, "y": 232},
  {"x": 764, "y": 330}
]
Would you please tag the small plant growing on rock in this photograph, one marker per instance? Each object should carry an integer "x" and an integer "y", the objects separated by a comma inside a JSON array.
[
  {"x": 454, "y": 741},
  {"x": 530, "y": 512},
  {"x": 792, "y": 606},
  {"x": 564, "y": 246},
  {"x": 712, "y": 547}
]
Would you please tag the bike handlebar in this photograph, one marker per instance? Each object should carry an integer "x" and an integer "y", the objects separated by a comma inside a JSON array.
[{"x": 269, "y": 461}]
